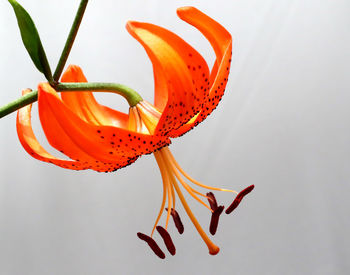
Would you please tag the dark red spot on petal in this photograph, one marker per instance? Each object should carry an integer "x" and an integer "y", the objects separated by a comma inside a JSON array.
[{"x": 239, "y": 198}]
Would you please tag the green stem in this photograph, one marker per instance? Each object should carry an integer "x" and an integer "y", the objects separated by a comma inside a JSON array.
[
  {"x": 33, "y": 96},
  {"x": 69, "y": 43},
  {"x": 18, "y": 103},
  {"x": 129, "y": 94}
]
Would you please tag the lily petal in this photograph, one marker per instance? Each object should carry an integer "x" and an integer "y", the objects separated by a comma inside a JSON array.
[
  {"x": 221, "y": 41},
  {"x": 32, "y": 146},
  {"x": 85, "y": 105},
  {"x": 104, "y": 143},
  {"x": 181, "y": 75},
  {"x": 60, "y": 139}
]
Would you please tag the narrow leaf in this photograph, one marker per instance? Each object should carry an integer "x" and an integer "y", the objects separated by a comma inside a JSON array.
[{"x": 31, "y": 39}]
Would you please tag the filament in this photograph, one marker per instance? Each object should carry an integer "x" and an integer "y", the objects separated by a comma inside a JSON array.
[
  {"x": 169, "y": 202},
  {"x": 213, "y": 249},
  {"x": 165, "y": 179},
  {"x": 184, "y": 184},
  {"x": 171, "y": 157}
]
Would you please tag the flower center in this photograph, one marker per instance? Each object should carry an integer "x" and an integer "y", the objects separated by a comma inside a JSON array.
[{"x": 143, "y": 118}]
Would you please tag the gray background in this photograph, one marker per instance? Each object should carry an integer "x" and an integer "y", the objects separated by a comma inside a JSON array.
[{"x": 283, "y": 125}]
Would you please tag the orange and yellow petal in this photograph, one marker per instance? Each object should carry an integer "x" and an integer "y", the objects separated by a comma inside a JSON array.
[
  {"x": 85, "y": 105},
  {"x": 104, "y": 143},
  {"x": 181, "y": 75},
  {"x": 221, "y": 41},
  {"x": 32, "y": 146}
]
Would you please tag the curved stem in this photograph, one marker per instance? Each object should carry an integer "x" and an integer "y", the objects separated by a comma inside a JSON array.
[
  {"x": 129, "y": 94},
  {"x": 70, "y": 40}
]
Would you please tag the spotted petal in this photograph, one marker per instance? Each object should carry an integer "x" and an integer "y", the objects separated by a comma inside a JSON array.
[
  {"x": 32, "y": 146},
  {"x": 103, "y": 143},
  {"x": 85, "y": 105},
  {"x": 221, "y": 41},
  {"x": 181, "y": 75}
]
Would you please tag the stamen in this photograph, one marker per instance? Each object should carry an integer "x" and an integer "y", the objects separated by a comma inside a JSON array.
[
  {"x": 135, "y": 122},
  {"x": 212, "y": 201},
  {"x": 177, "y": 220},
  {"x": 132, "y": 122},
  {"x": 215, "y": 219},
  {"x": 171, "y": 157},
  {"x": 150, "y": 108},
  {"x": 213, "y": 249},
  {"x": 152, "y": 244},
  {"x": 197, "y": 192},
  {"x": 239, "y": 198},
  {"x": 167, "y": 240},
  {"x": 138, "y": 121},
  {"x": 173, "y": 195},
  {"x": 165, "y": 179},
  {"x": 170, "y": 196},
  {"x": 184, "y": 184},
  {"x": 149, "y": 116}
]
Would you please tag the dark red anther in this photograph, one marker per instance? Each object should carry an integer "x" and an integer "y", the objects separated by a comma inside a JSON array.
[
  {"x": 167, "y": 239},
  {"x": 212, "y": 201},
  {"x": 239, "y": 198},
  {"x": 152, "y": 244},
  {"x": 215, "y": 219},
  {"x": 177, "y": 220}
]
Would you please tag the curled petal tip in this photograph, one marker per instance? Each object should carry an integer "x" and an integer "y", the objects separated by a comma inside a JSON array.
[
  {"x": 185, "y": 10},
  {"x": 71, "y": 70},
  {"x": 130, "y": 25},
  {"x": 71, "y": 67}
]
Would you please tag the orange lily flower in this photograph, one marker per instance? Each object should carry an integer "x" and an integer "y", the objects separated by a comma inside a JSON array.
[{"x": 96, "y": 137}]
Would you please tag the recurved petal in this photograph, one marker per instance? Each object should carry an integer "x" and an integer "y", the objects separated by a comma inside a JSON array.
[
  {"x": 219, "y": 38},
  {"x": 221, "y": 41},
  {"x": 32, "y": 146},
  {"x": 217, "y": 89},
  {"x": 85, "y": 105},
  {"x": 181, "y": 75},
  {"x": 61, "y": 140},
  {"x": 104, "y": 143}
]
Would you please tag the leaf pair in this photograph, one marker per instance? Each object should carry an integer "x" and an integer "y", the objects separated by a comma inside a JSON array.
[{"x": 31, "y": 40}]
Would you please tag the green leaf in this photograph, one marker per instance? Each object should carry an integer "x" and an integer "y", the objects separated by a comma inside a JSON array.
[{"x": 31, "y": 40}]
